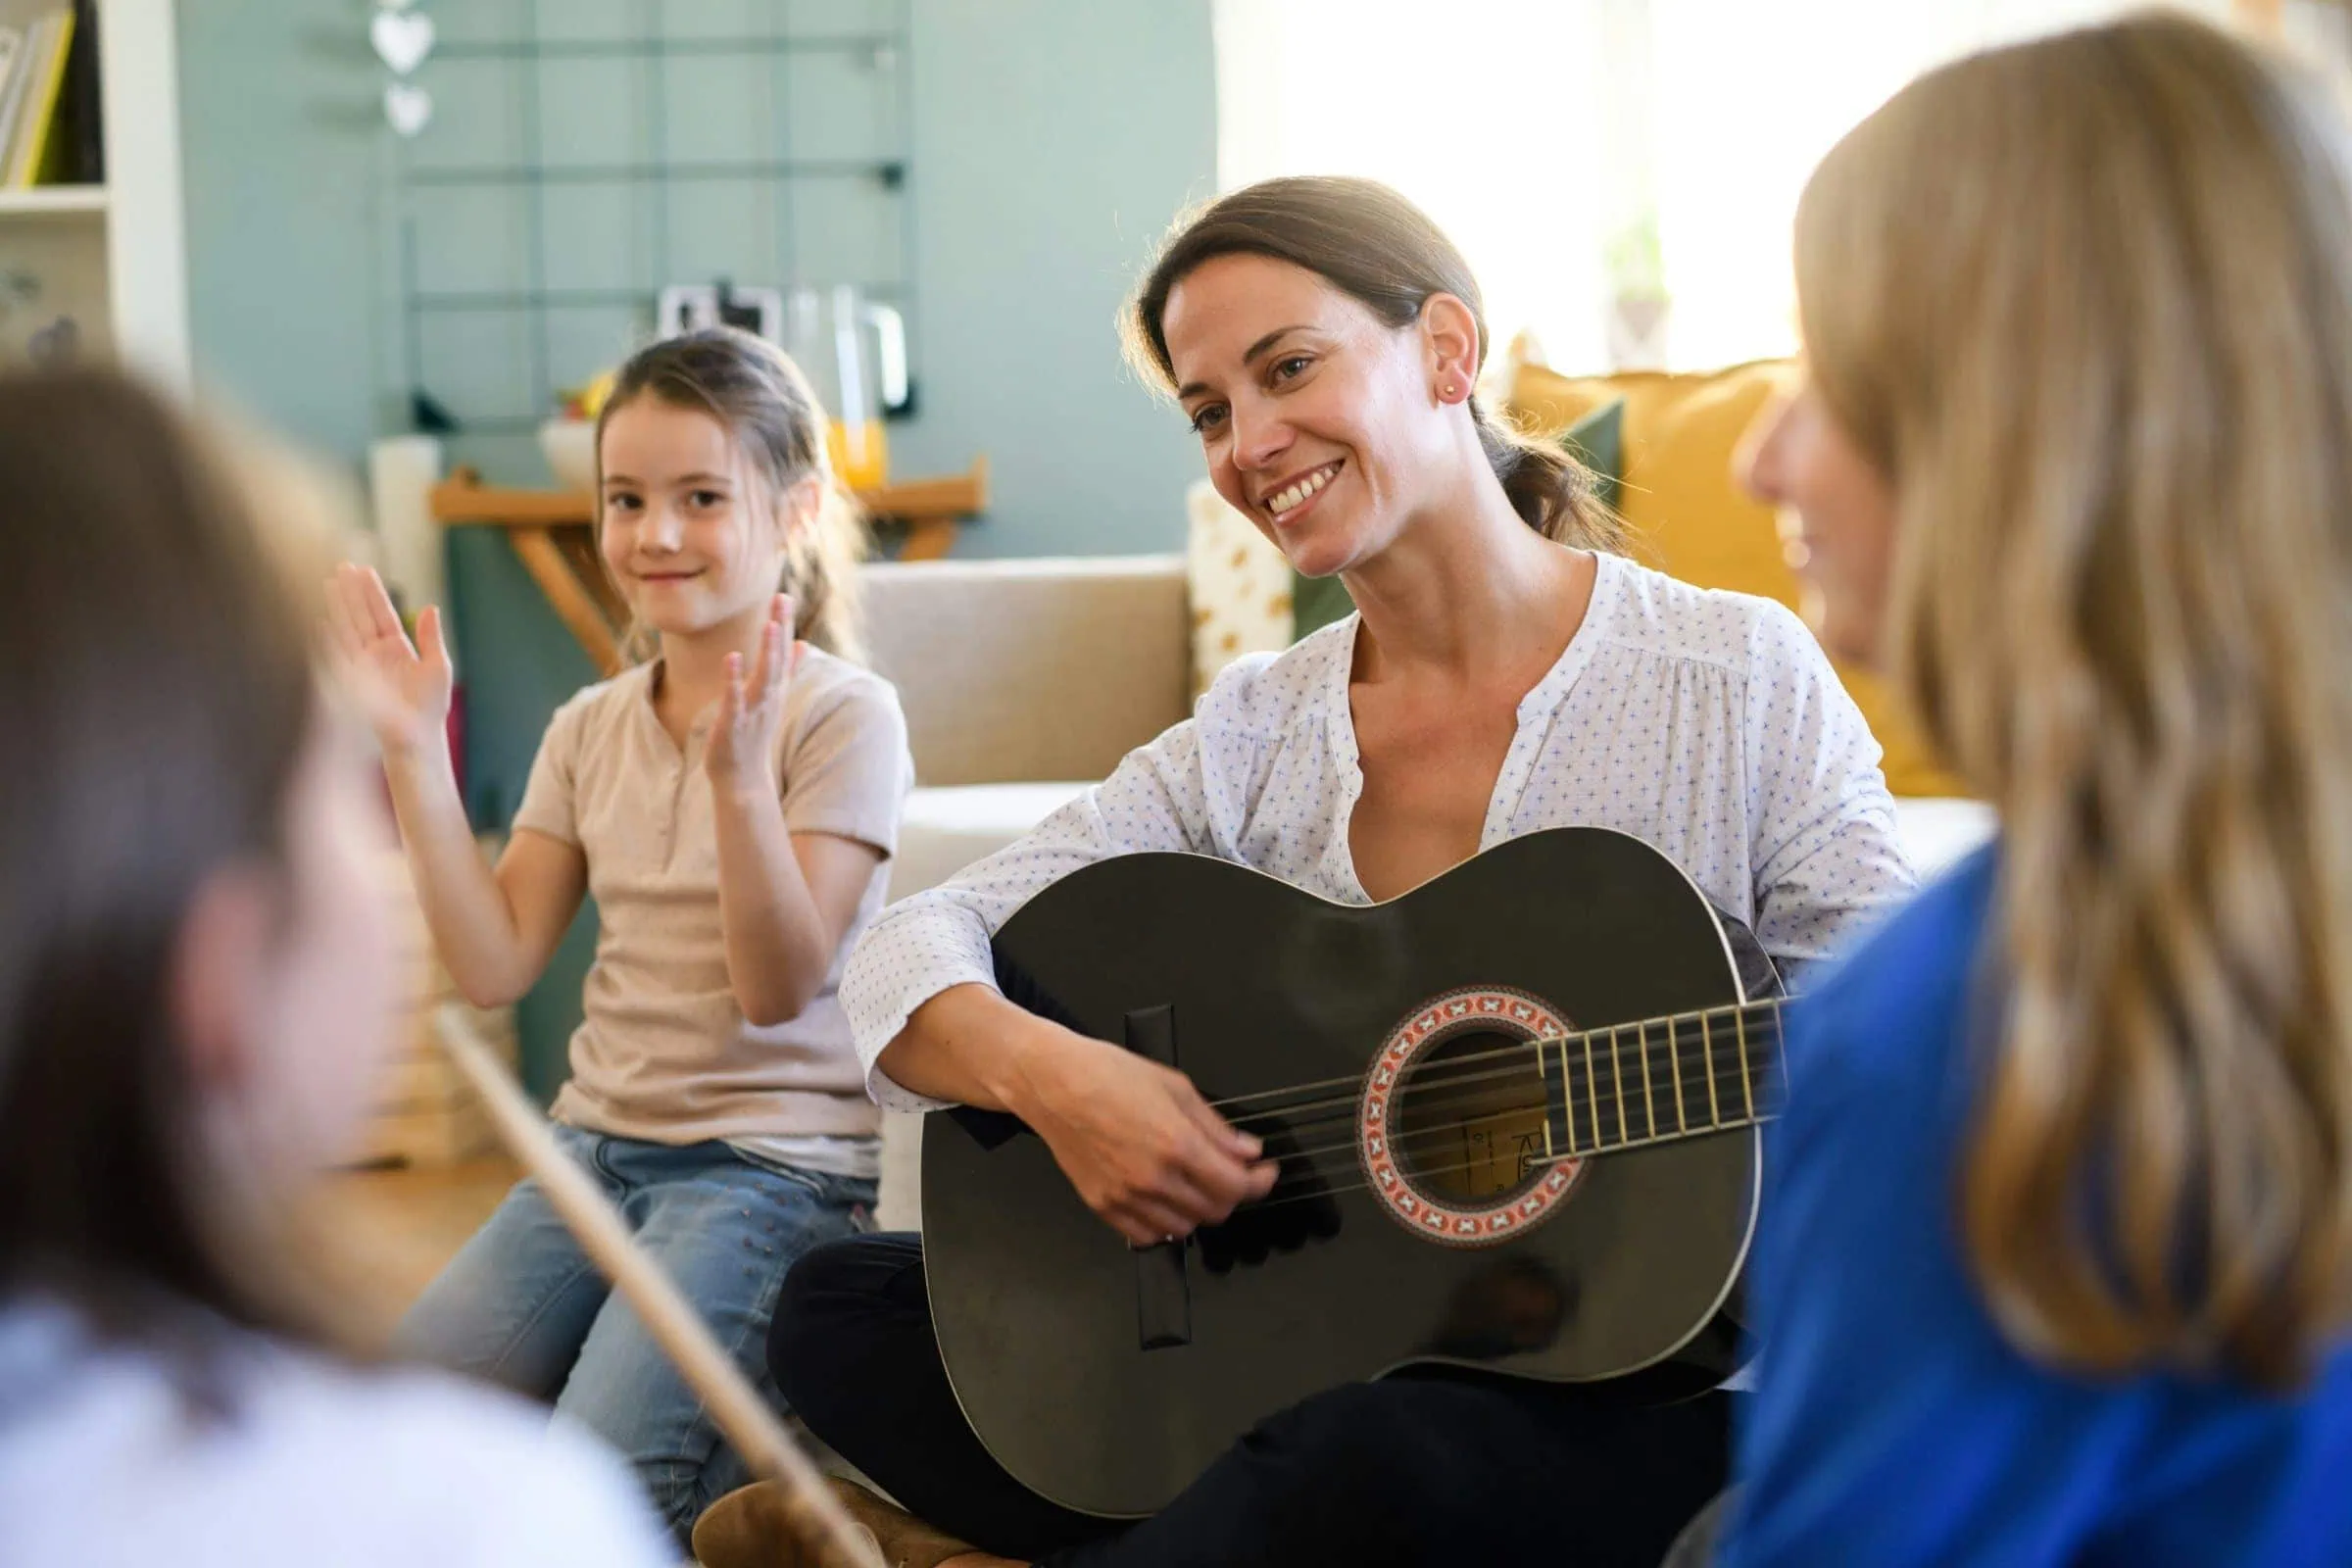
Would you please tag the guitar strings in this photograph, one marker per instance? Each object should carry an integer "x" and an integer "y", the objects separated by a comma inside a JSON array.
[
  {"x": 1272, "y": 1201},
  {"x": 1767, "y": 1014},
  {"x": 1435, "y": 1077},
  {"x": 1427, "y": 1087},
  {"x": 1729, "y": 1110},
  {"x": 1500, "y": 1199}
]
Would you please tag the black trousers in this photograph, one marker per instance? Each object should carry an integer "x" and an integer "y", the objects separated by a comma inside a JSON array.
[{"x": 1431, "y": 1468}]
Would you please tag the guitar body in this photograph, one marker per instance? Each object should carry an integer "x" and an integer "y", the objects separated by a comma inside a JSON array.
[{"x": 1108, "y": 1379}]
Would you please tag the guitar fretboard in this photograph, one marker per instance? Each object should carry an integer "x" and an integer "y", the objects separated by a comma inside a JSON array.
[{"x": 1661, "y": 1078}]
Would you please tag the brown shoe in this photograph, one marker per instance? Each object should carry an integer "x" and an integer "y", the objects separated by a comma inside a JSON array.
[
  {"x": 751, "y": 1528},
  {"x": 906, "y": 1540}
]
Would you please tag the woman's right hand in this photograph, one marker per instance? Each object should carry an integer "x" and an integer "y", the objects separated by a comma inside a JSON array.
[
  {"x": 1137, "y": 1140},
  {"x": 408, "y": 703}
]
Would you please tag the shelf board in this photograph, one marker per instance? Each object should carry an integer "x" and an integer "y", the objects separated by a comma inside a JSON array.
[
  {"x": 570, "y": 579},
  {"x": 657, "y": 48},
  {"x": 464, "y": 499},
  {"x": 891, "y": 173},
  {"x": 50, "y": 200}
]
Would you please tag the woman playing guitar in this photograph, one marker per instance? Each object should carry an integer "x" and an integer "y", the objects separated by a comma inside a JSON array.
[{"x": 1506, "y": 672}]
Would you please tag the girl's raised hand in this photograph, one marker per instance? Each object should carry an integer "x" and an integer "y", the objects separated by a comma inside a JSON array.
[
  {"x": 741, "y": 751},
  {"x": 405, "y": 688}
]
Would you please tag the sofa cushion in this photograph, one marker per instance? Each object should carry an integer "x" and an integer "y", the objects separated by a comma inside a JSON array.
[
  {"x": 1027, "y": 670},
  {"x": 1239, "y": 584},
  {"x": 947, "y": 828}
]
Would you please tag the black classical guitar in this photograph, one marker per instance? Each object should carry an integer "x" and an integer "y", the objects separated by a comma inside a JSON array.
[{"x": 1514, "y": 1112}]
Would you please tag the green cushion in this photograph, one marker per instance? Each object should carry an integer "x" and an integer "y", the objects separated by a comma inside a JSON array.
[
  {"x": 1597, "y": 441},
  {"x": 1317, "y": 602}
]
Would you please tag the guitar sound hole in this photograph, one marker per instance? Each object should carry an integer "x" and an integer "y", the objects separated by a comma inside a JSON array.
[{"x": 1468, "y": 1126}]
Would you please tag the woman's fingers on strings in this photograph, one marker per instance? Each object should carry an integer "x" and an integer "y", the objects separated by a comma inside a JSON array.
[
  {"x": 1217, "y": 1180},
  {"x": 1212, "y": 1197},
  {"x": 1223, "y": 1134}
]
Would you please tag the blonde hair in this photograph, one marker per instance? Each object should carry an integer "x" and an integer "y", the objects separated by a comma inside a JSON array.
[
  {"x": 2088, "y": 303},
  {"x": 753, "y": 389}
]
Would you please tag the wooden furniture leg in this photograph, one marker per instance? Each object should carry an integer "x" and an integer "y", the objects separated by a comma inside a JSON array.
[
  {"x": 578, "y": 609},
  {"x": 928, "y": 539}
]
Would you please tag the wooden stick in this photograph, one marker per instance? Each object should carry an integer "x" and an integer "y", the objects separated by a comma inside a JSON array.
[{"x": 816, "y": 1515}]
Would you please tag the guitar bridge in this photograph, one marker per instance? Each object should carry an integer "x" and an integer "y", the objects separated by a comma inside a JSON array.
[{"x": 1163, "y": 1292}]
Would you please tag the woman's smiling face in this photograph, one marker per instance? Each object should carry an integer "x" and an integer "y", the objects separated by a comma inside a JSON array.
[{"x": 1315, "y": 416}]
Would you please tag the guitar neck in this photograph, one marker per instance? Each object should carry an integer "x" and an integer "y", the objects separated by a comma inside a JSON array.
[{"x": 1658, "y": 1079}]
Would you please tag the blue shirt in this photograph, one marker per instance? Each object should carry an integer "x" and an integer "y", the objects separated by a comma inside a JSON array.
[{"x": 1892, "y": 1423}]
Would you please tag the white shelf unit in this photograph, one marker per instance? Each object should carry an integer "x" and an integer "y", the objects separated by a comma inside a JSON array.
[
  {"x": 111, "y": 256},
  {"x": 53, "y": 201}
]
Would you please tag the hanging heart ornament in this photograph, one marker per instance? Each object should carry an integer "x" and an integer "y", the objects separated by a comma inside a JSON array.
[
  {"x": 408, "y": 107},
  {"x": 402, "y": 39}
]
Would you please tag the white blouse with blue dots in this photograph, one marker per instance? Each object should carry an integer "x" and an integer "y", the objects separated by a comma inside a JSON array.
[{"x": 1707, "y": 723}]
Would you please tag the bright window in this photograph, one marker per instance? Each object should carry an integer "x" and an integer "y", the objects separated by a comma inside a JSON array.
[{"x": 1588, "y": 152}]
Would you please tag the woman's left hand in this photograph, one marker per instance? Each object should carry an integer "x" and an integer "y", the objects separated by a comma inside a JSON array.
[{"x": 742, "y": 750}]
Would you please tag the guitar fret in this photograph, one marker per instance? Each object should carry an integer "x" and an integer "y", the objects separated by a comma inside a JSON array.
[
  {"x": 1747, "y": 1089},
  {"x": 1617, "y": 1084},
  {"x": 1576, "y": 1122},
  {"x": 1706, "y": 1052},
  {"x": 1592, "y": 1097},
  {"x": 1544, "y": 1073},
  {"x": 1568, "y": 1096},
  {"x": 1650, "y": 1109},
  {"x": 1673, "y": 1057}
]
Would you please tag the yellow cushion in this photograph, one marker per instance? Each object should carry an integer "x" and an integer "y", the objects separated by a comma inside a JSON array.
[{"x": 1689, "y": 516}]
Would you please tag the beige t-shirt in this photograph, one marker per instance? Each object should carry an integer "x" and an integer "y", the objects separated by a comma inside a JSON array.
[{"x": 663, "y": 1054}]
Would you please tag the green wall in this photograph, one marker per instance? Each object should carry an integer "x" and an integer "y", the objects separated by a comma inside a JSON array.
[
  {"x": 1053, "y": 142},
  {"x": 282, "y": 145}
]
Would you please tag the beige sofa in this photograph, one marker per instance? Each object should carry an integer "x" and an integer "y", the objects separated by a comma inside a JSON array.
[
  {"x": 1025, "y": 680},
  {"x": 1022, "y": 680}
]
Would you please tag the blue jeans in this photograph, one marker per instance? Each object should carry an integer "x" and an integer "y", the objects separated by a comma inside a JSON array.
[{"x": 520, "y": 1304}]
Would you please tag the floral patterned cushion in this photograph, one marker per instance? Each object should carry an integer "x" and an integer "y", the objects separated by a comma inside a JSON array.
[{"x": 1240, "y": 586}]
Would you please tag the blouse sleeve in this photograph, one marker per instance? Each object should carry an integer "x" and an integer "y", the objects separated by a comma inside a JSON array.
[
  {"x": 1156, "y": 799},
  {"x": 1828, "y": 860}
]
